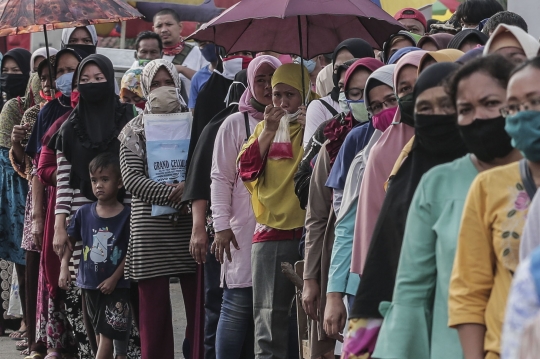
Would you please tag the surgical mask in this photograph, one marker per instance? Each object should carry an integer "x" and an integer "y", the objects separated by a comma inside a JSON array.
[
  {"x": 209, "y": 52},
  {"x": 64, "y": 82},
  {"x": 524, "y": 128},
  {"x": 309, "y": 64},
  {"x": 164, "y": 100},
  {"x": 383, "y": 119},
  {"x": 358, "y": 110},
  {"x": 343, "y": 105},
  {"x": 406, "y": 109},
  {"x": 143, "y": 62},
  {"x": 487, "y": 139},
  {"x": 439, "y": 135}
]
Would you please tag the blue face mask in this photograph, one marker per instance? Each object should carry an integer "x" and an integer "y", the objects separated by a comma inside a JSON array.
[
  {"x": 309, "y": 64},
  {"x": 63, "y": 83},
  {"x": 524, "y": 128},
  {"x": 209, "y": 52}
]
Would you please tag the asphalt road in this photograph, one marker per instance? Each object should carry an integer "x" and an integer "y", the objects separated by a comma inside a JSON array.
[{"x": 8, "y": 351}]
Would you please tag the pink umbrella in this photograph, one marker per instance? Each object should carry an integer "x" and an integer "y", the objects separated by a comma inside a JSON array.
[{"x": 278, "y": 25}]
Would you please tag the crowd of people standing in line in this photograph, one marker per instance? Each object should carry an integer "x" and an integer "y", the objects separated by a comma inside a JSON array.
[{"x": 406, "y": 185}]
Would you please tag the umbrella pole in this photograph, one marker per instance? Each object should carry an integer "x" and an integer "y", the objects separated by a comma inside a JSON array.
[
  {"x": 48, "y": 59},
  {"x": 302, "y": 59}
]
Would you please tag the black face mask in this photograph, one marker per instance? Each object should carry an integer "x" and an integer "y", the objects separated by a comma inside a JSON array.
[
  {"x": 487, "y": 139},
  {"x": 406, "y": 108},
  {"x": 14, "y": 85},
  {"x": 439, "y": 134},
  {"x": 94, "y": 92},
  {"x": 84, "y": 50}
]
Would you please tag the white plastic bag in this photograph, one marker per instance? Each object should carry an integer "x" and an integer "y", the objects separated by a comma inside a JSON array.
[
  {"x": 281, "y": 147},
  {"x": 167, "y": 144}
]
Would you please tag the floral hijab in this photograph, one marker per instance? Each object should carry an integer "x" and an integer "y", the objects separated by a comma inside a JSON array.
[
  {"x": 132, "y": 136},
  {"x": 131, "y": 81}
]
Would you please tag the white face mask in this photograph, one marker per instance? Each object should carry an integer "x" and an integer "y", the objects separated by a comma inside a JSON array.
[{"x": 343, "y": 104}]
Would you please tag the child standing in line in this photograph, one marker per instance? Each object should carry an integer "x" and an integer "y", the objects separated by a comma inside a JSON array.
[{"x": 103, "y": 227}]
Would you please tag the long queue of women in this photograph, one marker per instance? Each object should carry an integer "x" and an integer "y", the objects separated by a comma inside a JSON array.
[{"x": 408, "y": 189}]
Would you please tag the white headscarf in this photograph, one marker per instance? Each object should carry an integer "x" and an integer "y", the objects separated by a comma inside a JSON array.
[
  {"x": 528, "y": 43},
  {"x": 66, "y": 34},
  {"x": 42, "y": 51},
  {"x": 150, "y": 70}
]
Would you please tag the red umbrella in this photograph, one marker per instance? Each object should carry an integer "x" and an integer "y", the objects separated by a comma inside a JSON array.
[{"x": 278, "y": 25}]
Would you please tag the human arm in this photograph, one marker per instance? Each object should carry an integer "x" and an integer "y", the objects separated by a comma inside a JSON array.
[
  {"x": 139, "y": 185},
  {"x": 38, "y": 215},
  {"x": 198, "y": 245},
  {"x": 46, "y": 169},
  {"x": 469, "y": 290},
  {"x": 64, "y": 199},
  {"x": 109, "y": 284},
  {"x": 186, "y": 71},
  {"x": 317, "y": 214},
  {"x": 18, "y": 134},
  {"x": 65, "y": 277}
]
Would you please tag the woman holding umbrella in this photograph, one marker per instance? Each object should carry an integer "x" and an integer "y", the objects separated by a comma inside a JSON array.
[{"x": 276, "y": 208}]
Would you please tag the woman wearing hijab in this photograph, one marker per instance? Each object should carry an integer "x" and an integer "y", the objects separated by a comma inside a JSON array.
[
  {"x": 434, "y": 57},
  {"x": 320, "y": 217},
  {"x": 420, "y": 296},
  {"x": 13, "y": 188},
  {"x": 380, "y": 91},
  {"x": 492, "y": 227},
  {"x": 434, "y": 42},
  {"x": 468, "y": 39},
  {"x": 397, "y": 41},
  {"x": 513, "y": 43},
  {"x": 400, "y": 53},
  {"x": 233, "y": 225},
  {"x": 159, "y": 245},
  {"x": 40, "y": 55},
  {"x": 320, "y": 111},
  {"x": 91, "y": 129},
  {"x": 83, "y": 38},
  {"x": 131, "y": 90},
  {"x": 437, "y": 141},
  {"x": 276, "y": 208}
]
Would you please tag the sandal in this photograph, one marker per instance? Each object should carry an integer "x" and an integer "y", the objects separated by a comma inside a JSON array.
[
  {"x": 34, "y": 356},
  {"x": 53, "y": 355},
  {"x": 21, "y": 345},
  {"x": 17, "y": 334}
]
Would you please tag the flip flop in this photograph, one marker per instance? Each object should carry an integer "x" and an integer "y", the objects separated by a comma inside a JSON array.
[
  {"x": 17, "y": 335},
  {"x": 34, "y": 356},
  {"x": 21, "y": 345}
]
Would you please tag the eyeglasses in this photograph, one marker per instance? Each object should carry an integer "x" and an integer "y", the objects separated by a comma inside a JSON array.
[
  {"x": 356, "y": 93},
  {"x": 511, "y": 110},
  {"x": 378, "y": 106}
]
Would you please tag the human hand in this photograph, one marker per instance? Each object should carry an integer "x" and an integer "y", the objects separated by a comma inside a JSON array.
[
  {"x": 198, "y": 244},
  {"x": 272, "y": 116},
  {"x": 335, "y": 315},
  {"x": 65, "y": 278},
  {"x": 37, "y": 231},
  {"x": 19, "y": 133},
  {"x": 60, "y": 241},
  {"x": 222, "y": 245},
  {"x": 178, "y": 191},
  {"x": 108, "y": 285},
  {"x": 301, "y": 119},
  {"x": 311, "y": 298}
]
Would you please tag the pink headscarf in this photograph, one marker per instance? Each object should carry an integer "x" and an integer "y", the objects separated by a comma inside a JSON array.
[{"x": 253, "y": 67}]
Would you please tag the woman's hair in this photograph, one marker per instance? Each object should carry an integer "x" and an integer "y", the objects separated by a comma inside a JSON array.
[
  {"x": 495, "y": 66},
  {"x": 474, "y": 11},
  {"x": 534, "y": 63}
]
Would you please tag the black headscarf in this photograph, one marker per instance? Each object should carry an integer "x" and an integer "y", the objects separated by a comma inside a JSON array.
[
  {"x": 210, "y": 101},
  {"x": 359, "y": 49},
  {"x": 14, "y": 85},
  {"x": 94, "y": 125},
  {"x": 428, "y": 151},
  {"x": 54, "y": 109},
  {"x": 468, "y": 34},
  {"x": 198, "y": 181}
]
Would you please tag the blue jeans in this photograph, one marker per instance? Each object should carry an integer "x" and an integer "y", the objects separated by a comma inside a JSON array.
[{"x": 234, "y": 339}]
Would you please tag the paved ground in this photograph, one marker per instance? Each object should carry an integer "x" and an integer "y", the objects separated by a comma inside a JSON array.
[{"x": 7, "y": 346}]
